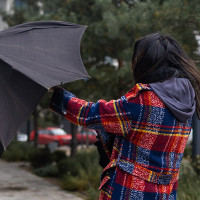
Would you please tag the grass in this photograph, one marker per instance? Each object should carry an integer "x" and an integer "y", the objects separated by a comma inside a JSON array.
[{"x": 18, "y": 151}]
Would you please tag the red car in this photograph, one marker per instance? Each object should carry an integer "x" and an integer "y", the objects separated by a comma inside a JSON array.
[
  {"x": 52, "y": 134},
  {"x": 81, "y": 136}
]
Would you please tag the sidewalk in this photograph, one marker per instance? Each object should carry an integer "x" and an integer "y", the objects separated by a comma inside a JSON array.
[{"x": 18, "y": 184}]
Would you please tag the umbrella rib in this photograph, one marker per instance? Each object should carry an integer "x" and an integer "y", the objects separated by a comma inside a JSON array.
[{"x": 58, "y": 24}]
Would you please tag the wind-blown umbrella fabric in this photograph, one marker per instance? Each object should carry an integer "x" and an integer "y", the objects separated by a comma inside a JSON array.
[
  {"x": 47, "y": 52},
  {"x": 34, "y": 57},
  {"x": 19, "y": 96}
]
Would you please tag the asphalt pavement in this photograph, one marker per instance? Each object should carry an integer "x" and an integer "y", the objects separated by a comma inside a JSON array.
[{"x": 16, "y": 183}]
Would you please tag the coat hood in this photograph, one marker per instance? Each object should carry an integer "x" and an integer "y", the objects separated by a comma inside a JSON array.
[{"x": 178, "y": 95}]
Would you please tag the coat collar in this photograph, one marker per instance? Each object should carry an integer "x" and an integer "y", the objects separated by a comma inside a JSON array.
[{"x": 136, "y": 89}]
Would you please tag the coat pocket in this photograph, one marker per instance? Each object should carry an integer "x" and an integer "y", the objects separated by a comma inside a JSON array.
[{"x": 146, "y": 174}]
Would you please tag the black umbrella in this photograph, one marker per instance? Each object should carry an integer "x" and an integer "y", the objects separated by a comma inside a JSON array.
[{"x": 33, "y": 58}]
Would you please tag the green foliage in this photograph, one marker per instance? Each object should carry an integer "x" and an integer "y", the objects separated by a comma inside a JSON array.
[
  {"x": 81, "y": 173},
  {"x": 129, "y": 2},
  {"x": 40, "y": 158},
  {"x": 59, "y": 155},
  {"x": 68, "y": 166},
  {"x": 188, "y": 152},
  {"x": 18, "y": 151},
  {"x": 47, "y": 171},
  {"x": 86, "y": 173},
  {"x": 75, "y": 183},
  {"x": 196, "y": 164},
  {"x": 92, "y": 193},
  {"x": 189, "y": 180},
  {"x": 112, "y": 33},
  {"x": 63, "y": 167}
]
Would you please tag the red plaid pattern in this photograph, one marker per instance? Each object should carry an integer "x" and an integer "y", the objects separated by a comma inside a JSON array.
[{"x": 148, "y": 147}]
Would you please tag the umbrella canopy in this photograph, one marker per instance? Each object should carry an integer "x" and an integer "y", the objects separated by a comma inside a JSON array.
[{"x": 34, "y": 57}]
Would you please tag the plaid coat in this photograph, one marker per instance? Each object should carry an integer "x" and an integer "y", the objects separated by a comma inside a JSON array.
[{"x": 148, "y": 147}]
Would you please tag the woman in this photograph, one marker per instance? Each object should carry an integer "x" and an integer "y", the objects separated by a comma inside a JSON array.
[{"x": 150, "y": 124}]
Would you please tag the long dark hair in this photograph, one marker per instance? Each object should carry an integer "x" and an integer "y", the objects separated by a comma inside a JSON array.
[{"x": 157, "y": 57}]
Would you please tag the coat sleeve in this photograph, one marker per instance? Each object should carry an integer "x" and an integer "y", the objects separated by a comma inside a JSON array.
[{"x": 113, "y": 116}]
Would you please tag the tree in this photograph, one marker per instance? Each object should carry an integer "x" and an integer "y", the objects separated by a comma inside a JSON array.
[{"x": 111, "y": 34}]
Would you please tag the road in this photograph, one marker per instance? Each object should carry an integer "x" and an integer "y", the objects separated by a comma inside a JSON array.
[{"x": 18, "y": 184}]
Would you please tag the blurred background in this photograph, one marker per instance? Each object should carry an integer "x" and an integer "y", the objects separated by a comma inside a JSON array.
[{"x": 106, "y": 49}]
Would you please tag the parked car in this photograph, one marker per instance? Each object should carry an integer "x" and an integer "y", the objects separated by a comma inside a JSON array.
[
  {"x": 81, "y": 136},
  {"x": 52, "y": 134},
  {"x": 22, "y": 137}
]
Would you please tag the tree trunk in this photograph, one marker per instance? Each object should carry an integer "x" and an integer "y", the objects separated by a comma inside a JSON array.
[
  {"x": 120, "y": 82},
  {"x": 87, "y": 138},
  {"x": 74, "y": 141},
  {"x": 196, "y": 137},
  {"x": 28, "y": 130},
  {"x": 35, "y": 116},
  {"x": 120, "y": 63}
]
